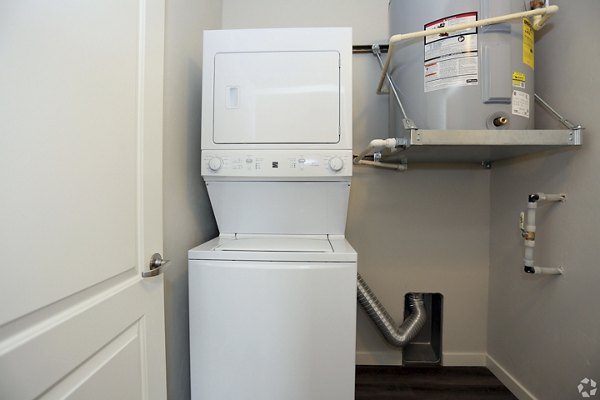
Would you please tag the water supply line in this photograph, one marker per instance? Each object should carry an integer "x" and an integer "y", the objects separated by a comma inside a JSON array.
[
  {"x": 374, "y": 146},
  {"x": 398, "y": 336},
  {"x": 544, "y": 13},
  {"x": 528, "y": 229},
  {"x": 392, "y": 144},
  {"x": 539, "y": 20}
]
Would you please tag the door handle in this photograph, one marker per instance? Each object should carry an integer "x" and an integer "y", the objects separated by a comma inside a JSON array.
[{"x": 156, "y": 265}]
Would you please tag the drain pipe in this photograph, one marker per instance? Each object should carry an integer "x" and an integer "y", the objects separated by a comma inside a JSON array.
[
  {"x": 528, "y": 233},
  {"x": 411, "y": 326}
]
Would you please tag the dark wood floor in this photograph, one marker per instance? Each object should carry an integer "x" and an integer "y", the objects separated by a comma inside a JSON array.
[{"x": 428, "y": 383}]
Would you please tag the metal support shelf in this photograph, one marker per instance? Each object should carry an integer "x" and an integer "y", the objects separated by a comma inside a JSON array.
[
  {"x": 485, "y": 146},
  {"x": 414, "y": 145}
]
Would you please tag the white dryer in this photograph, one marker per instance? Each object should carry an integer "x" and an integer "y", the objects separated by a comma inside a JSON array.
[{"x": 273, "y": 298}]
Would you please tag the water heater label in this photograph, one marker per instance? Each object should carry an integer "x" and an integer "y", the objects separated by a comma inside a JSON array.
[
  {"x": 451, "y": 59},
  {"x": 520, "y": 103}
]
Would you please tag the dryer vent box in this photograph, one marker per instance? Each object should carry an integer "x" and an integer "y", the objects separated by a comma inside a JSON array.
[{"x": 426, "y": 348}]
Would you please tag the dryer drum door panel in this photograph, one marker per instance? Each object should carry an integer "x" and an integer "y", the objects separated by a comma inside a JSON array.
[{"x": 282, "y": 97}]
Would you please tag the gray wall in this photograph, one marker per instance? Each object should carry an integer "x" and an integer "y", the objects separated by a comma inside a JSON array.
[
  {"x": 188, "y": 219},
  {"x": 423, "y": 230},
  {"x": 545, "y": 331},
  {"x": 427, "y": 229}
]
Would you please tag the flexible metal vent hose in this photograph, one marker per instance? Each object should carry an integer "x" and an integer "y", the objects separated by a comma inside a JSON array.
[{"x": 411, "y": 326}]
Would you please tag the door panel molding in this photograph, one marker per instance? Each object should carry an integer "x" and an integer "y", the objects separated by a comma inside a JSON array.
[
  {"x": 124, "y": 350},
  {"x": 52, "y": 349},
  {"x": 81, "y": 117}
]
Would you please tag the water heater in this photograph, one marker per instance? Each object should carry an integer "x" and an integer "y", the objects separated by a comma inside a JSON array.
[{"x": 479, "y": 78}]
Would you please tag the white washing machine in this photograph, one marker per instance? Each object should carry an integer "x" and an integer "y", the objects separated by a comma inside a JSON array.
[
  {"x": 273, "y": 318},
  {"x": 273, "y": 298}
]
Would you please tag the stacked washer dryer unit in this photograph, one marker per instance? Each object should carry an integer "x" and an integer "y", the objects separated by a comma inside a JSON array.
[{"x": 273, "y": 298}]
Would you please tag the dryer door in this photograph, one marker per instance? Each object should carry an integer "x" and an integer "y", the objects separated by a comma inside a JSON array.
[{"x": 277, "y": 97}]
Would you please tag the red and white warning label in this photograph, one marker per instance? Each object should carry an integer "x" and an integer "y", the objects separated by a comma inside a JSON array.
[{"x": 451, "y": 59}]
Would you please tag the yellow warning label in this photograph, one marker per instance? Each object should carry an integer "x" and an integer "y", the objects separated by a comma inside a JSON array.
[
  {"x": 518, "y": 79},
  {"x": 518, "y": 76},
  {"x": 528, "y": 55}
]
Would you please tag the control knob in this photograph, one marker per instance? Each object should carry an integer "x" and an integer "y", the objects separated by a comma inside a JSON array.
[
  {"x": 336, "y": 164},
  {"x": 215, "y": 163}
]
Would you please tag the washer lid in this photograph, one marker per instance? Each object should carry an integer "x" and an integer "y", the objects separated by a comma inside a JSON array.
[
  {"x": 317, "y": 248},
  {"x": 276, "y": 245}
]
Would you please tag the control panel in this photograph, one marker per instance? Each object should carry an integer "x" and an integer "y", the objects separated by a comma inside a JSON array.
[{"x": 277, "y": 163}]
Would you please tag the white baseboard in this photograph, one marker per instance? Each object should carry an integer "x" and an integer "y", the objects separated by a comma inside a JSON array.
[
  {"x": 395, "y": 358},
  {"x": 508, "y": 380}
]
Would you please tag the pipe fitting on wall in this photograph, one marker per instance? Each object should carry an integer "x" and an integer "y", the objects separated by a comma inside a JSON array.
[
  {"x": 528, "y": 232},
  {"x": 397, "y": 336},
  {"x": 377, "y": 144},
  {"x": 544, "y": 270},
  {"x": 500, "y": 121}
]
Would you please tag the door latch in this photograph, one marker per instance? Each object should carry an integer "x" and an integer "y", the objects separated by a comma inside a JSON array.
[{"x": 156, "y": 266}]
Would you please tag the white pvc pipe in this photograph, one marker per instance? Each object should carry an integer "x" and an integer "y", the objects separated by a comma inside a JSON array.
[
  {"x": 397, "y": 167},
  {"x": 389, "y": 143},
  {"x": 540, "y": 20},
  {"x": 531, "y": 207},
  {"x": 545, "y": 12},
  {"x": 530, "y": 230},
  {"x": 375, "y": 144},
  {"x": 552, "y": 197},
  {"x": 548, "y": 270},
  {"x": 528, "y": 259}
]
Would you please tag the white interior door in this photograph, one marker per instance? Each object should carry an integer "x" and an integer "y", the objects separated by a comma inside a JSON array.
[{"x": 81, "y": 203}]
